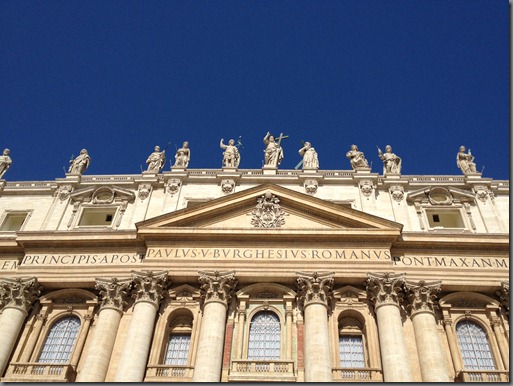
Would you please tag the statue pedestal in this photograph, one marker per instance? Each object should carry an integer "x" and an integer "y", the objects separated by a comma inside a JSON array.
[
  {"x": 392, "y": 175},
  {"x": 269, "y": 170},
  {"x": 149, "y": 174},
  {"x": 73, "y": 178},
  {"x": 177, "y": 170},
  {"x": 472, "y": 176},
  {"x": 310, "y": 170},
  {"x": 362, "y": 170},
  {"x": 229, "y": 170}
]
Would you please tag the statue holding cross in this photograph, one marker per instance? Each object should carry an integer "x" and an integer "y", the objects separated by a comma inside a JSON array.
[{"x": 273, "y": 153}]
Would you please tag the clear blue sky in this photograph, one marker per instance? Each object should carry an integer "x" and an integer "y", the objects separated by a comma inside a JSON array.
[{"x": 119, "y": 77}]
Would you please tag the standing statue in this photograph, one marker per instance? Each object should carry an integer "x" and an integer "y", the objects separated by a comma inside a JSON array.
[
  {"x": 273, "y": 153},
  {"x": 391, "y": 162},
  {"x": 465, "y": 161},
  {"x": 156, "y": 160},
  {"x": 310, "y": 159},
  {"x": 231, "y": 155},
  {"x": 182, "y": 156},
  {"x": 356, "y": 158},
  {"x": 5, "y": 162},
  {"x": 79, "y": 164}
]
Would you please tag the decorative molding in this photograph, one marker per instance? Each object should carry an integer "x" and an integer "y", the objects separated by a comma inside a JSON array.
[
  {"x": 311, "y": 186},
  {"x": 19, "y": 293},
  {"x": 366, "y": 187},
  {"x": 227, "y": 186},
  {"x": 385, "y": 288},
  {"x": 113, "y": 292},
  {"x": 63, "y": 192},
  {"x": 397, "y": 192},
  {"x": 143, "y": 191},
  {"x": 440, "y": 196},
  {"x": 268, "y": 212},
  {"x": 503, "y": 295},
  {"x": 70, "y": 300},
  {"x": 418, "y": 209},
  {"x": 172, "y": 185},
  {"x": 422, "y": 295},
  {"x": 217, "y": 286},
  {"x": 466, "y": 205},
  {"x": 149, "y": 286},
  {"x": 266, "y": 295},
  {"x": 314, "y": 288}
]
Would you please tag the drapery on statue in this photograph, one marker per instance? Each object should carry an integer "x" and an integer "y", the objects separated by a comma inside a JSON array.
[
  {"x": 5, "y": 162},
  {"x": 273, "y": 153},
  {"x": 156, "y": 160},
  {"x": 391, "y": 162},
  {"x": 310, "y": 159},
  {"x": 182, "y": 156},
  {"x": 231, "y": 155},
  {"x": 465, "y": 161},
  {"x": 356, "y": 158},
  {"x": 79, "y": 164}
]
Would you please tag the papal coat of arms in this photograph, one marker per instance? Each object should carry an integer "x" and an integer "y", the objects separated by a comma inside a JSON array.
[{"x": 268, "y": 213}]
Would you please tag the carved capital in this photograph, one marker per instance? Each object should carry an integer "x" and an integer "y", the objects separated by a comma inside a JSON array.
[
  {"x": 113, "y": 292},
  {"x": 385, "y": 288},
  {"x": 315, "y": 288},
  {"x": 217, "y": 286},
  {"x": 503, "y": 295},
  {"x": 149, "y": 286},
  {"x": 422, "y": 295},
  {"x": 19, "y": 293}
]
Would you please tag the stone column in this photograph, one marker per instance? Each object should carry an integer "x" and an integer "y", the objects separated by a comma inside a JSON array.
[
  {"x": 501, "y": 341},
  {"x": 96, "y": 362},
  {"x": 431, "y": 356},
  {"x": 148, "y": 291},
  {"x": 453, "y": 344},
  {"x": 216, "y": 291},
  {"x": 314, "y": 295},
  {"x": 385, "y": 292},
  {"x": 17, "y": 296}
]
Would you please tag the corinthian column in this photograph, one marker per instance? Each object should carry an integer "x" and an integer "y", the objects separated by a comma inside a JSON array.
[
  {"x": 96, "y": 362},
  {"x": 216, "y": 291},
  {"x": 315, "y": 292},
  {"x": 17, "y": 296},
  {"x": 385, "y": 292},
  {"x": 148, "y": 291},
  {"x": 431, "y": 356}
]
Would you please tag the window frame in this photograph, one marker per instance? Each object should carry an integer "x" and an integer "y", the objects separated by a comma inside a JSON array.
[
  {"x": 47, "y": 336},
  {"x": 249, "y": 341},
  {"x": 461, "y": 348},
  {"x": 12, "y": 212}
]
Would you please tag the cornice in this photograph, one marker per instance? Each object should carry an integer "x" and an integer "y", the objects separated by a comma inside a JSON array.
[
  {"x": 444, "y": 241},
  {"x": 63, "y": 239}
]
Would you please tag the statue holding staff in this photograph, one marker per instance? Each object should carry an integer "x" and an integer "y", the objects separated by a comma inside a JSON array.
[
  {"x": 391, "y": 162},
  {"x": 5, "y": 162},
  {"x": 231, "y": 155},
  {"x": 79, "y": 164}
]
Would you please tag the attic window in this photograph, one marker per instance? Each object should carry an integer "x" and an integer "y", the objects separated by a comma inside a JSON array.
[
  {"x": 445, "y": 219},
  {"x": 97, "y": 217},
  {"x": 13, "y": 222}
]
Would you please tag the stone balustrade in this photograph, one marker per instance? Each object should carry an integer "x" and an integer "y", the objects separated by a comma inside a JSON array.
[
  {"x": 482, "y": 376},
  {"x": 175, "y": 373},
  {"x": 277, "y": 370},
  {"x": 39, "y": 372},
  {"x": 347, "y": 374}
]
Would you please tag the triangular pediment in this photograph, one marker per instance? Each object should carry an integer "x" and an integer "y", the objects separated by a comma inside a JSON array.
[{"x": 270, "y": 208}]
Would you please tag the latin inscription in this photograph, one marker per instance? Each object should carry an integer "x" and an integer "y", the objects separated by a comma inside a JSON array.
[
  {"x": 85, "y": 259},
  {"x": 267, "y": 254},
  {"x": 451, "y": 262}
]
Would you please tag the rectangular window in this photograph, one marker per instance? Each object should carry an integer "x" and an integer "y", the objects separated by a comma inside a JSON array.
[
  {"x": 178, "y": 349},
  {"x": 351, "y": 351},
  {"x": 13, "y": 221},
  {"x": 97, "y": 217},
  {"x": 450, "y": 219}
]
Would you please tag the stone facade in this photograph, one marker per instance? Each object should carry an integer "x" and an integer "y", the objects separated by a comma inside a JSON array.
[{"x": 254, "y": 275}]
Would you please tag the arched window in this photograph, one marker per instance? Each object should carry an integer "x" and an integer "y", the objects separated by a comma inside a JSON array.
[
  {"x": 60, "y": 341},
  {"x": 264, "y": 336},
  {"x": 179, "y": 342},
  {"x": 350, "y": 342},
  {"x": 474, "y": 346}
]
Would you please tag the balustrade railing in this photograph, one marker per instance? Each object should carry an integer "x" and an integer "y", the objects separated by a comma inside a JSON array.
[
  {"x": 245, "y": 369},
  {"x": 357, "y": 374},
  {"x": 161, "y": 372},
  {"x": 49, "y": 372},
  {"x": 483, "y": 376}
]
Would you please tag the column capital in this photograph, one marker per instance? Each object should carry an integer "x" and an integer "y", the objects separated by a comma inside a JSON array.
[
  {"x": 385, "y": 288},
  {"x": 149, "y": 286},
  {"x": 503, "y": 295},
  {"x": 217, "y": 286},
  {"x": 315, "y": 288},
  {"x": 113, "y": 292},
  {"x": 422, "y": 295},
  {"x": 19, "y": 293}
]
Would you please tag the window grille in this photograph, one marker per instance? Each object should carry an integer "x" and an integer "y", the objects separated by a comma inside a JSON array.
[
  {"x": 178, "y": 349},
  {"x": 59, "y": 343},
  {"x": 351, "y": 351},
  {"x": 474, "y": 346},
  {"x": 264, "y": 336}
]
